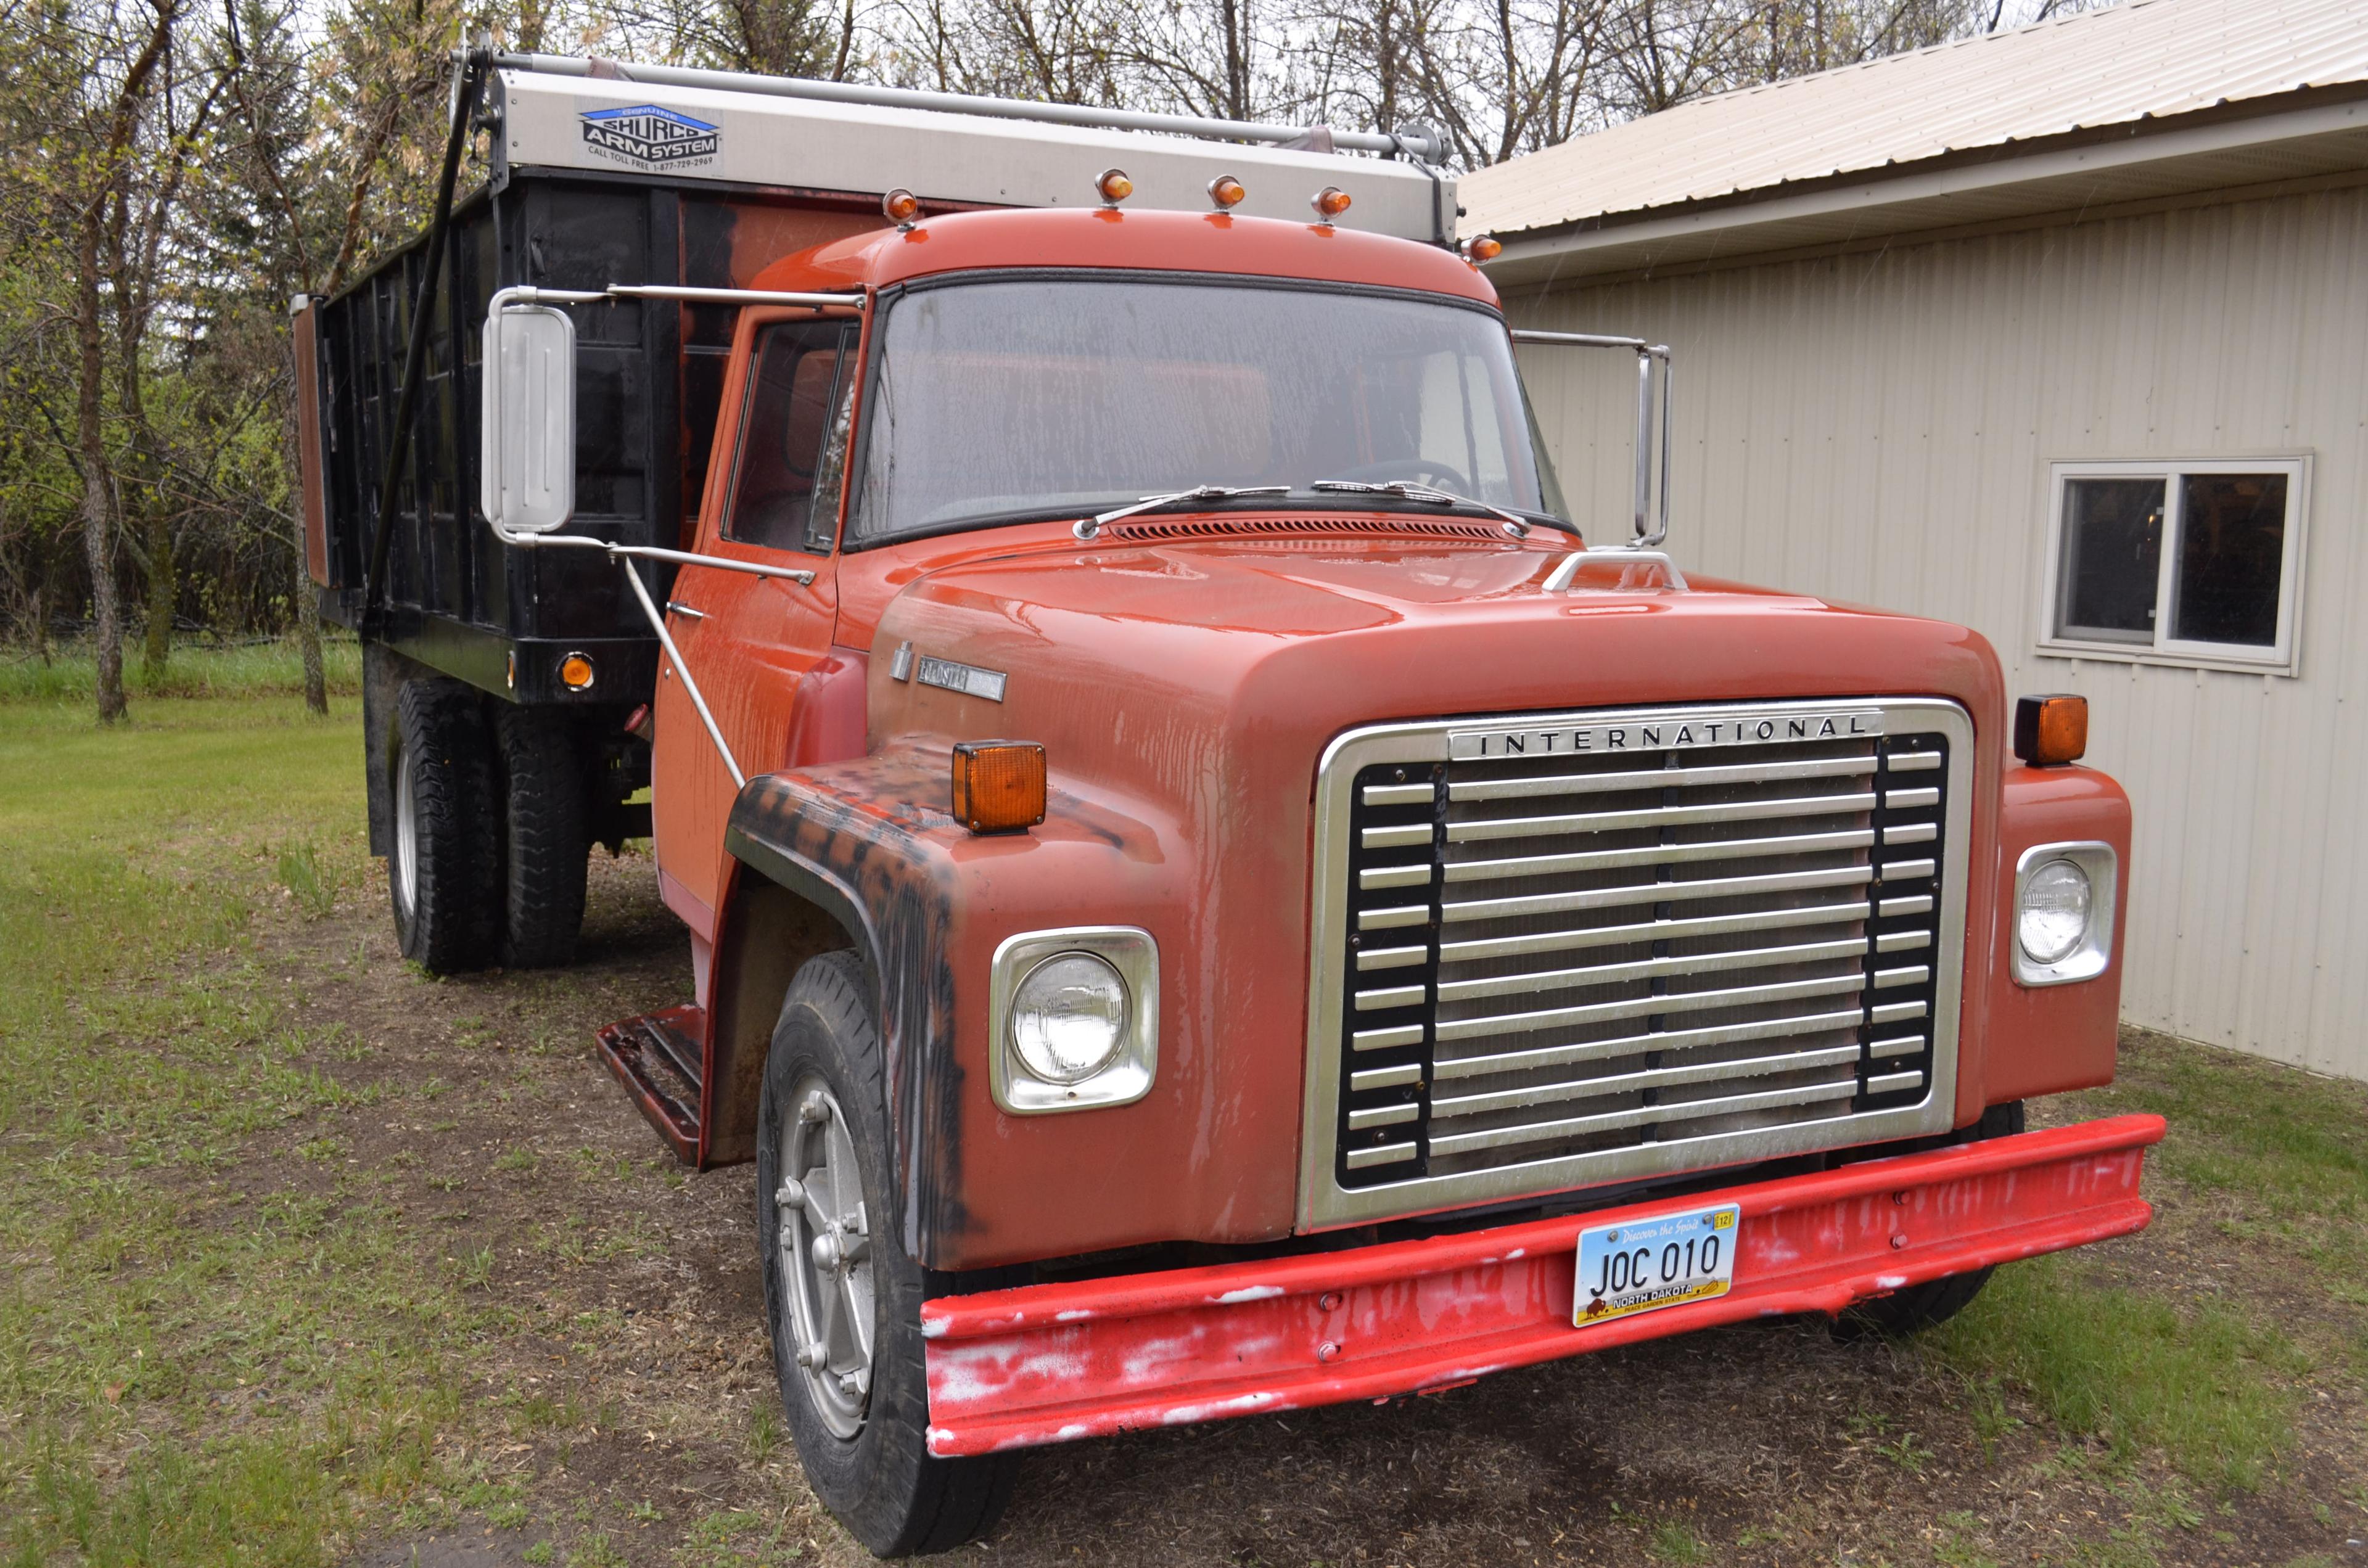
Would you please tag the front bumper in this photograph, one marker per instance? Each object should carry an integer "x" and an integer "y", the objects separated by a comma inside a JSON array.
[{"x": 1048, "y": 1363}]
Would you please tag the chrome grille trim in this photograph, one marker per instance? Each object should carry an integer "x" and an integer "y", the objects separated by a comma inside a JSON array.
[{"x": 1685, "y": 991}]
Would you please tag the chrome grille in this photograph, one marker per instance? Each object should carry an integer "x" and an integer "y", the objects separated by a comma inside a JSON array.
[{"x": 1559, "y": 950}]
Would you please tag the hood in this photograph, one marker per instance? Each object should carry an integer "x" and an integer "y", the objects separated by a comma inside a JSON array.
[{"x": 1158, "y": 668}]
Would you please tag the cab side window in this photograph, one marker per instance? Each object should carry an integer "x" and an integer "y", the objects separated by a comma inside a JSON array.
[{"x": 793, "y": 457}]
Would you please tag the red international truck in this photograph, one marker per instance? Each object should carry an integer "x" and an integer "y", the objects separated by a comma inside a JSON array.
[{"x": 1206, "y": 895}]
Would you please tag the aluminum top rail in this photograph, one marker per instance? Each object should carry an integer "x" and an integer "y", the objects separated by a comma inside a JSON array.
[{"x": 1421, "y": 144}]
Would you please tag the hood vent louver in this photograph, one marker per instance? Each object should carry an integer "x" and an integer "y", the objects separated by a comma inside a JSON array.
[{"x": 1148, "y": 530}]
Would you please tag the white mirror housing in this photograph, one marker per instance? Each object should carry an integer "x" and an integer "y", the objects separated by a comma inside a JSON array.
[{"x": 527, "y": 423}]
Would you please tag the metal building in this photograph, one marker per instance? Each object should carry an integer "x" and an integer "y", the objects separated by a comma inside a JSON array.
[{"x": 2061, "y": 333}]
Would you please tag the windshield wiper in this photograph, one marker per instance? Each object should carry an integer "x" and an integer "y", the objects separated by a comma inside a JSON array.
[
  {"x": 1408, "y": 490},
  {"x": 1086, "y": 528}
]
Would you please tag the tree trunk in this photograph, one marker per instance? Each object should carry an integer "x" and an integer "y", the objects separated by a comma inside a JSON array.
[
  {"x": 97, "y": 488},
  {"x": 163, "y": 592},
  {"x": 308, "y": 638}
]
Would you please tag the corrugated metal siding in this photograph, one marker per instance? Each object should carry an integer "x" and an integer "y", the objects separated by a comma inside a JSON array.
[{"x": 1878, "y": 427}]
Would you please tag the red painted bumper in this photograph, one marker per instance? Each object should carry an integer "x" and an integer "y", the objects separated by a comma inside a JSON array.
[{"x": 1047, "y": 1363}]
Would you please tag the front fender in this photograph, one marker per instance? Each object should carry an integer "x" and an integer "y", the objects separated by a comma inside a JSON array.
[{"x": 871, "y": 844}]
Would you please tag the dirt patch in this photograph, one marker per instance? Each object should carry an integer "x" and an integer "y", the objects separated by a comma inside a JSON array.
[{"x": 628, "y": 1411}]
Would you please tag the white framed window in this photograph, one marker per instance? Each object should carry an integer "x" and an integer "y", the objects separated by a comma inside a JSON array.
[{"x": 2179, "y": 562}]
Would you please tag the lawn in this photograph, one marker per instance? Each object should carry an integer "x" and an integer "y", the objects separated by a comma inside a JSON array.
[{"x": 308, "y": 1259}]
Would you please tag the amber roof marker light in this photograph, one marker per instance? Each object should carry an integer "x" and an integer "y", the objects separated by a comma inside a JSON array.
[
  {"x": 902, "y": 207},
  {"x": 1226, "y": 193},
  {"x": 2050, "y": 731},
  {"x": 1483, "y": 247},
  {"x": 1113, "y": 187},
  {"x": 1329, "y": 203},
  {"x": 998, "y": 785}
]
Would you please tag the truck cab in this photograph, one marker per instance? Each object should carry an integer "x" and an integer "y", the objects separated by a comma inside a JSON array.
[{"x": 1210, "y": 892}]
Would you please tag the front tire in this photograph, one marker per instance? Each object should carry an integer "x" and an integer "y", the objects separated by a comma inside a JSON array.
[
  {"x": 445, "y": 856},
  {"x": 842, "y": 1299},
  {"x": 1934, "y": 1302}
]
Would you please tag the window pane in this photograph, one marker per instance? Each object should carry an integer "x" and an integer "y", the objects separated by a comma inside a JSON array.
[
  {"x": 2232, "y": 537},
  {"x": 781, "y": 447},
  {"x": 1047, "y": 397},
  {"x": 2112, "y": 558}
]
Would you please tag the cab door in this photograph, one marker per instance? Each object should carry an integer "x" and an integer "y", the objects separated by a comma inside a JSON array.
[{"x": 755, "y": 645}]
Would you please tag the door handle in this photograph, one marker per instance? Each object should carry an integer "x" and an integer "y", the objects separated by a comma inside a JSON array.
[{"x": 673, "y": 609}]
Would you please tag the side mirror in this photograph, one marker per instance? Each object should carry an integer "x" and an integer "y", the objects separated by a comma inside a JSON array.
[{"x": 526, "y": 425}]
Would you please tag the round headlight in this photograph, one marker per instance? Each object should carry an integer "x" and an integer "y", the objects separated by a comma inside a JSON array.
[
  {"x": 2055, "y": 914},
  {"x": 1068, "y": 1018}
]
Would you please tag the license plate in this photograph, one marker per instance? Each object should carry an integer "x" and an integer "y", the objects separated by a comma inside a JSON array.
[{"x": 1642, "y": 1265}]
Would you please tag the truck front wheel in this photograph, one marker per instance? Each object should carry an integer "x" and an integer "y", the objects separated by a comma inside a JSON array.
[
  {"x": 842, "y": 1299},
  {"x": 446, "y": 856},
  {"x": 1935, "y": 1302}
]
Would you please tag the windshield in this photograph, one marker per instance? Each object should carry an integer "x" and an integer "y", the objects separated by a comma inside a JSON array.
[{"x": 994, "y": 401}]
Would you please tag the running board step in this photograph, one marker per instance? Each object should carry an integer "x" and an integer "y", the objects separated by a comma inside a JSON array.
[{"x": 657, "y": 1058}]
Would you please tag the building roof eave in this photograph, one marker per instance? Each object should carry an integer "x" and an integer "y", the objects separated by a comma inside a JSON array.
[{"x": 2308, "y": 131}]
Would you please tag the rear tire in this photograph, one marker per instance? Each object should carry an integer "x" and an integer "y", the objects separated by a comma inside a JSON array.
[
  {"x": 548, "y": 837},
  {"x": 446, "y": 852},
  {"x": 859, "y": 1403},
  {"x": 1919, "y": 1307}
]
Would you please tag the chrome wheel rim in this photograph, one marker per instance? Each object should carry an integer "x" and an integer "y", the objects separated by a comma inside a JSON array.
[
  {"x": 826, "y": 1255},
  {"x": 407, "y": 839}
]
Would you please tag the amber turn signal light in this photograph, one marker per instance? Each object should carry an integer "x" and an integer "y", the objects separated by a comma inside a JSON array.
[
  {"x": 998, "y": 785},
  {"x": 1483, "y": 247},
  {"x": 902, "y": 207},
  {"x": 1114, "y": 186},
  {"x": 1226, "y": 192},
  {"x": 1329, "y": 203},
  {"x": 2050, "y": 731},
  {"x": 576, "y": 672}
]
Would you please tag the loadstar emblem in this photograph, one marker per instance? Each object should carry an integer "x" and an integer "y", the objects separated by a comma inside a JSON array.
[
  {"x": 968, "y": 679},
  {"x": 651, "y": 137},
  {"x": 1667, "y": 734}
]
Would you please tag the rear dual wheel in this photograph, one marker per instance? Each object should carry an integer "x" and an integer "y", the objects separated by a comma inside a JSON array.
[{"x": 491, "y": 831}]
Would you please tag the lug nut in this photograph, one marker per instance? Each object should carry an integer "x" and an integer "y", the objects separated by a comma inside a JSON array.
[
  {"x": 1330, "y": 1301},
  {"x": 1897, "y": 1242},
  {"x": 809, "y": 1355},
  {"x": 812, "y": 1110},
  {"x": 1327, "y": 1351},
  {"x": 793, "y": 1195},
  {"x": 850, "y": 1385}
]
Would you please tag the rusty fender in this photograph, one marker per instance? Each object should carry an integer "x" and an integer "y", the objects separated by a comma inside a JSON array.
[
  {"x": 1050, "y": 1363},
  {"x": 869, "y": 844}
]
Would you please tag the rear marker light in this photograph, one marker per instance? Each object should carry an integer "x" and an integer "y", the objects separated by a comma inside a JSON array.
[
  {"x": 1113, "y": 187},
  {"x": 576, "y": 672},
  {"x": 2050, "y": 731},
  {"x": 1329, "y": 203},
  {"x": 998, "y": 785}
]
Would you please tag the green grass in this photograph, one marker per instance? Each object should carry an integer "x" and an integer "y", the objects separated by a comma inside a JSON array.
[
  {"x": 69, "y": 677},
  {"x": 2204, "y": 1386},
  {"x": 2291, "y": 1152},
  {"x": 196, "y": 1365}
]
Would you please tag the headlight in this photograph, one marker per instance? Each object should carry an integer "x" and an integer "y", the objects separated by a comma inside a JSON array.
[
  {"x": 2064, "y": 911},
  {"x": 1073, "y": 1018},
  {"x": 1069, "y": 1017},
  {"x": 2054, "y": 912}
]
